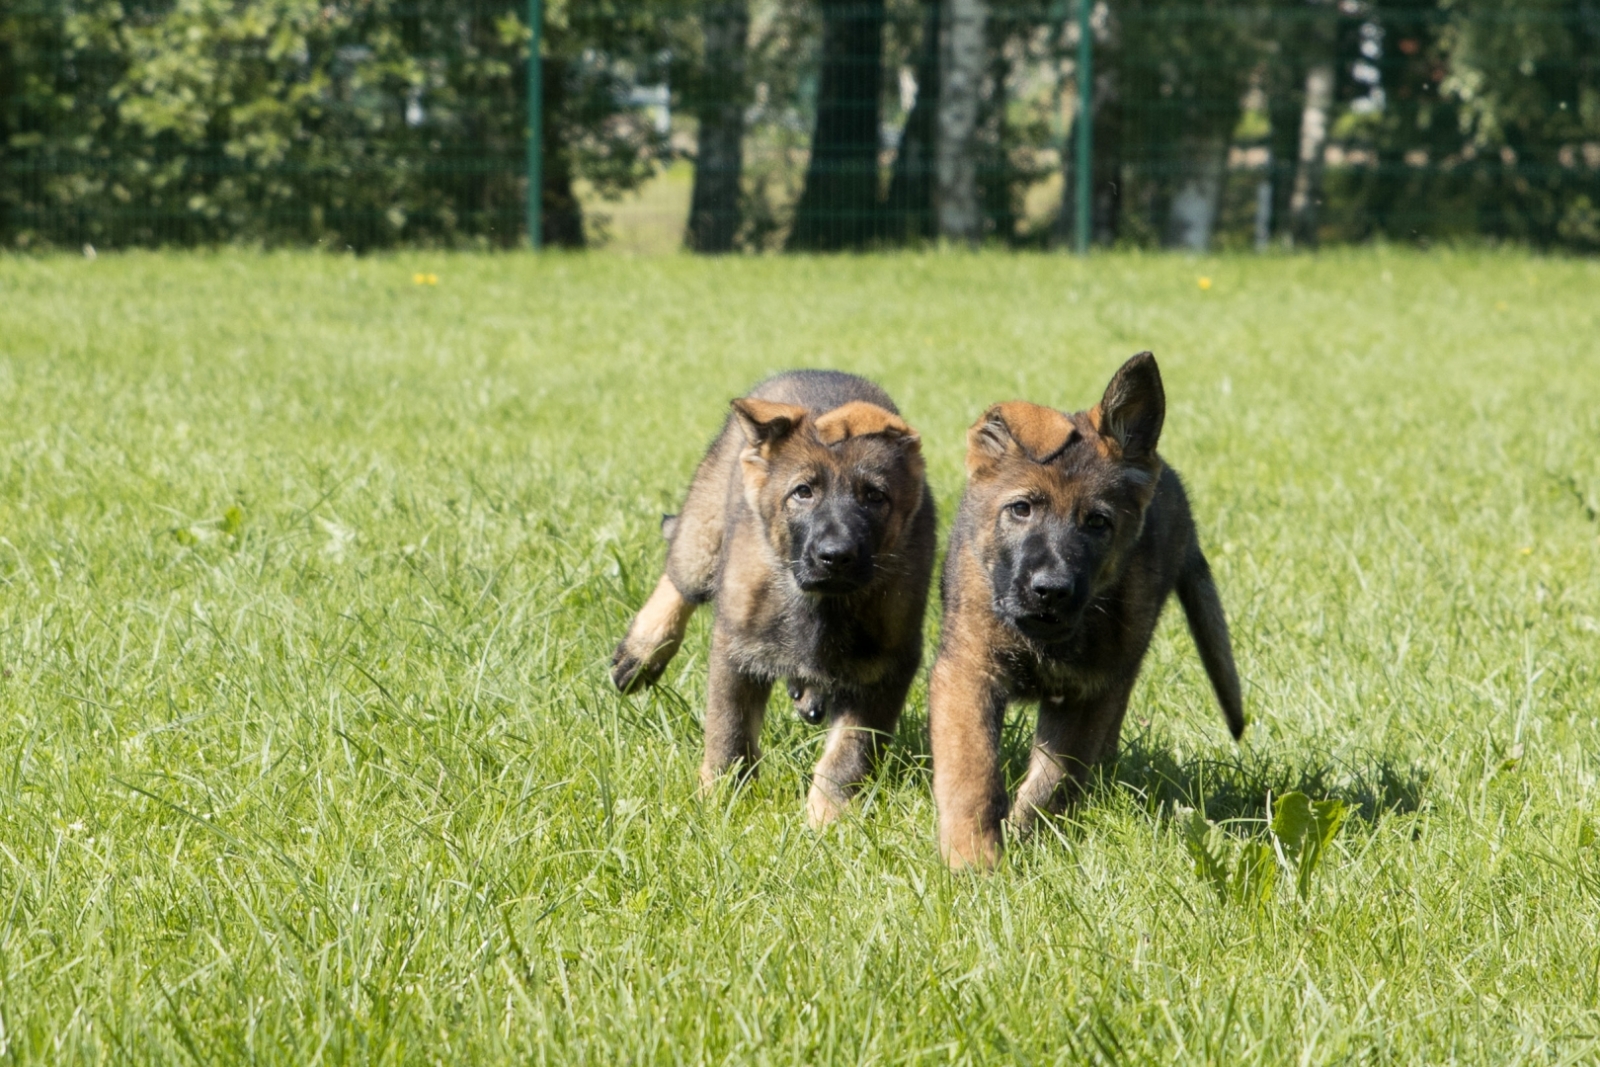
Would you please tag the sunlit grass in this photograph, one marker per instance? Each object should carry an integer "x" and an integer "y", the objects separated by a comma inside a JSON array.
[{"x": 311, "y": 573}]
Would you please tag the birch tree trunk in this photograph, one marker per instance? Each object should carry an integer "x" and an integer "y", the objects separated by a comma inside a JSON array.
[
  {"x": 1307, "y": 194},
  {"x": 1197, "y": 196},
  {"x": 956, "y": 159},
  {"x": 719, "y": 153}
]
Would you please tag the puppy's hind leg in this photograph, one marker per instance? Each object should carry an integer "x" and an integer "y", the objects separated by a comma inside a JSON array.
[
  {"x": 1042, "y": 792},
  {"x": 1074, "y": 737}
]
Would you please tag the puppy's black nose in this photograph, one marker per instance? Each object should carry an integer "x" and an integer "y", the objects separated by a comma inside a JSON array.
[
  {"x": 1051, "y": 588},
  {"x": 835, "y": 555}
]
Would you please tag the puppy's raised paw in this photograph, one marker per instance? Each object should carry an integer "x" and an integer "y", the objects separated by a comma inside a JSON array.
[
  {"x": 652, "y": 640},
  {"x": 809, "y": 702},
  {"x": 631, "y": 673}
]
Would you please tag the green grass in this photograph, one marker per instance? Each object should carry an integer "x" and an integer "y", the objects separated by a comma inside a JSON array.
[{"x": 311, "y": 575}]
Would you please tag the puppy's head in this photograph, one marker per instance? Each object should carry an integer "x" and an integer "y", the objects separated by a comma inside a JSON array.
[
  {"x": 835, "y": 492},
  {"x": 1059, "y": 500}
]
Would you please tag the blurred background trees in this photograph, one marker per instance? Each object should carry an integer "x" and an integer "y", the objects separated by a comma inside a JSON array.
[
  {"x": 801, "y": 124},
  {"x": 352, "y": 122}
]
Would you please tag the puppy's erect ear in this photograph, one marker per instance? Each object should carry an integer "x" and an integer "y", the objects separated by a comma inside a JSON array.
[
  {"x": 861, "y": 419},
  {"x": 764, "y": 422},
  {"x": 1134, "y": 407},
  {"x": 1040, "y": 433}
]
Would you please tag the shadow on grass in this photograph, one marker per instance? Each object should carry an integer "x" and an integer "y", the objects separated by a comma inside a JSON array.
[
  {"x": 1232, "y": 786},
  {"x": 1234, "y": 789}
]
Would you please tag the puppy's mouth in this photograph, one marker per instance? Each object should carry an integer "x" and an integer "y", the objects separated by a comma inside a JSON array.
[
  {"x": 1046, "y": 627},
  {"x": 824, "y": 581},
  {"x": 829, "y": 586}
]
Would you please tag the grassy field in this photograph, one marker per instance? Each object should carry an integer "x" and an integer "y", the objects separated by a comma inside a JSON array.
[{"x": 312, "y": 572}]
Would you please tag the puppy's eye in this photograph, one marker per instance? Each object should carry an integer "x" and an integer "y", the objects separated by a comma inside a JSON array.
[
  {"x": 1020, "y": 509},
  {"x": 1096, "y": 521},
  {"x": 801, "y": 492},
  {"x": 874, "y": 495}
]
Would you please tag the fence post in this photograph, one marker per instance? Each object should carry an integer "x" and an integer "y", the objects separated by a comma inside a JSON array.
[
  {"x": 535, "y": 200},
  {"x": 1085, "y": 124}
]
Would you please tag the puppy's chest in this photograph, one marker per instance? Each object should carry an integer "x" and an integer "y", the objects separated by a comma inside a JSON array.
[
  {"x": 1034, "y": 677},
  {"x": 817, "y": 644}
]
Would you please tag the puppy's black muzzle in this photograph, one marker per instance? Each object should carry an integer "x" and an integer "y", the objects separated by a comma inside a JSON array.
[
  {"x": 834, "y": 563},
  {"x": 1048, "y": 604}
]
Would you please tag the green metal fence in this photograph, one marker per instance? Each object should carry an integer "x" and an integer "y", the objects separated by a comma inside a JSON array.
[{"x": 730, "y": 125}]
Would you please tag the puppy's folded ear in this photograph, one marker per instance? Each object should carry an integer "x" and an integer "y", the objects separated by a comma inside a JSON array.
[
  {"x": 1018, "y": 427},
  {"x": 1134, "y": 408},
  {"x": 861, "y": 419},
  {"x": 766, "y": 425},
  {"x": 765, "y": 422}
]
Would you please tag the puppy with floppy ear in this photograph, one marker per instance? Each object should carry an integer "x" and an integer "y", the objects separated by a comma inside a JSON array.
[
  {"x": 810, "y": 526},
  {"x": 1071, "y": 536}
]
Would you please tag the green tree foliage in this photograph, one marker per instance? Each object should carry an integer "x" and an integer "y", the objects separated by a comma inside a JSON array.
[
  {"x": 374, "y": 122},
  {"x": 1489, "y": 125},
  {"x": 350, "y": 122},
  {"x": 1525, "y": 80},
  {"x": 1181, "y": 68}
]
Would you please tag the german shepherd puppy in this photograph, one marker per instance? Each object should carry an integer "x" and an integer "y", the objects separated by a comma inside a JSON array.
[
  {"x": 810, "y": 524},
  {"x": 1070, "y": 537}
]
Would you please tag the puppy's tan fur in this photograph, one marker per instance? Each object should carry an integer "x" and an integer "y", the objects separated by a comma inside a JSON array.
[
  {"x": 853, "y": 654},
  {"x": 1094, "y": 469}
]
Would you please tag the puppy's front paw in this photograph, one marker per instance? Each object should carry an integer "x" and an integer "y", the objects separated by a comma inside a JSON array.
[
  {"x": 824, "y": 805},
  {"x": 970, "y": 848},
  {"x": 631, "y": 672},
  {"x": 653, "y": 639}
]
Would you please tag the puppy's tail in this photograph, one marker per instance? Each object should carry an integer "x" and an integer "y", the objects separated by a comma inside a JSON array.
[{"x": 1209, "y": 627}]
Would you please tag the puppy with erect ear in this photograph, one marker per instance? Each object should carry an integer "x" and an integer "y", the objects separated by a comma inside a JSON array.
[
  {"x": 1071, "y": 536},
  {"x": 810, "y": 527}
]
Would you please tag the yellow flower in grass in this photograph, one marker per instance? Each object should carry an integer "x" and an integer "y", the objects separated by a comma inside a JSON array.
[
  {"x": 424, "y": 279},
  {"x": 1204, "y": 282}
]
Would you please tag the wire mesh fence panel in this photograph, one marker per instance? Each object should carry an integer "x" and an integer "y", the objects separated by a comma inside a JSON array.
[{"x": 818, "y": 125}]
